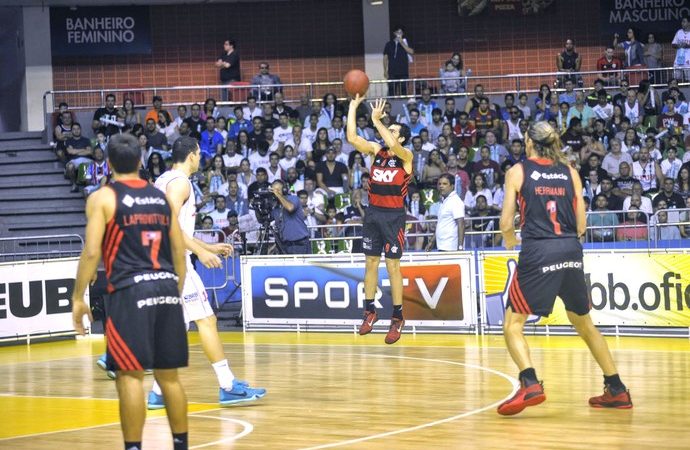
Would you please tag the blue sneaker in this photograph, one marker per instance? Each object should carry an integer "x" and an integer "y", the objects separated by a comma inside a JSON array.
[
  {"x": 100, "y": 362},
  {"x": 239, "y": 393},
  {"x": 155, "y": 401}
]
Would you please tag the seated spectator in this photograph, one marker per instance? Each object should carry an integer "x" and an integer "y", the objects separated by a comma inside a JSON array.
[
  {"x": 601, "y": 218},
  {"x": 670, "y": 167},
  {"x": 105, "y": 119},
  {"x": 274, "y": 171},
  {"x": 251, "y": 110},
  {"x": 63, "y": 107},
  {"x": 211, "y": 142},
  {"x": 473, "y": 102},
  {"x": 477, "y": 189},
  {"x": 450, "y": 114},
  {"x": 220, "y": 213},
  {"x": 232, "y": 230},
  {"x": 633, "y": 227},
  {"x": 582, "y": 111},
  {"x": 664, "y": 229},
  {"x": 231, "y": 159},
  {"x": 615, "y": 203},
  {"x": 569, "y": 61},
  {"x": 433, "y": 169},
  {"x": 603, "y": 110},
  {"x": 542, "y": 102},
  {"x": 484, "y": 119},
  {"x": 98, "y": 173},
  {"x": 591, "y": 187},
  {"x": 670, "y": 120},
  {"x": 682, "y": 185},
  {"x": 167, "y": 128},
  {"x": 642, "y": 202},
  {"x": 154, "y": 137},
  {"x": 77, "y": 151},
  {"x": 245, "y": 175},
  {"x": 266, "y": 81},
  {"x": 269, "y": 137},
  {"x": 631, "y": 143},
  {"x": 132, "y": 116},
  {"x": 155, "y": 166},
  {"x": 517, "y": 152},
  {"x": 511, "y": 126},
  {"x": 572, "y": 138},
  {"x": 523, "y": 106},
  {"x": 329, "y": 109},
  {"x": 608, "y": 64},
  {"x": 569, "y": 95},
  {"x": 332, "y": 176},
  {"x": 240, "y": 124},
  {"x": 61, "y": 134},
  {"x": 488, "y": 167},
  {"x": 210, "y": 109},
  {"x": 465, "y": 130},
  {"x": 261, "y": 183},
  {"x": 685, "y": 220},
  {"x": 632, "y": 108},
  {"x": 483, "y": 228},
  {"x": 157, "y": 108},
  {"x": 221, "y": 127},
  {"x": 497, "y": 152},
  {"x": 215, "y": 174},
  {"x": 207, "y": 233},
  {"x": 101, "y": 142},
  {"x": 451, "y": 83},
  {"x": 673, "y": 199},
  {"x": 236, "y": 202},
  {"x": 614, "y": 158},
  {"x": 321, "y": 145},
  {"x": 427, "y": 145},
  {"x": 461, "y": 178},
  {"x": 647, "y": 171},
  {"x": 622, "y": 187},
  {"x": 194, "y": 122}
]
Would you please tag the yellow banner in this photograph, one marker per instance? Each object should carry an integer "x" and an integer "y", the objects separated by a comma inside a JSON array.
[{"x": 626, "y": 288}]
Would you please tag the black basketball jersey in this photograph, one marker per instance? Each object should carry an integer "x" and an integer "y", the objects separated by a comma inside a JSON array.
[
  {"x": 136, "y": 247},
  {"x": 388, "y": 181},
  {"x": 547, "y": 201}
]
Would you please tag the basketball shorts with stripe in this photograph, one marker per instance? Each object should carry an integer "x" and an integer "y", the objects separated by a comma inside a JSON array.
[
  {"x": 546, "y": 269},
  {"x": 145, "y": 327},
  {"x": 384, "y": 231},
  {"x": 194, "y": 297}
]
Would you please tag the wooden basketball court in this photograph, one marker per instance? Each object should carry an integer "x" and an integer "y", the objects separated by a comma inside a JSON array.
[{"x": 347, "y": 391}]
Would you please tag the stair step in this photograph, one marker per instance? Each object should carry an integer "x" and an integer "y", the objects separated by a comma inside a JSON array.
[
  {"x": 20, "y": 135},
  {"x": 31, "y": 193},
  {"x": 33, "y": 158},
  {"x": 68, "y": 218},
  {"x": 42, "y": 179},
  {"x": 21, "y": 146},
  {"x": 78, "y": 229},
  {"x": 42, "y": 207},
  {"x": 31, "y": 167}
]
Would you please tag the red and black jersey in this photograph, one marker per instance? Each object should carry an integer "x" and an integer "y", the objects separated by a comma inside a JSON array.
[
  {"x": 388, "y": 181},
  {"x": 547, "y": 201},
  {"x": 137, "y": 246}
]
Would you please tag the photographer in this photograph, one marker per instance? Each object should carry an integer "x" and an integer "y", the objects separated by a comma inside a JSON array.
[{"x": 289, "y": 220}]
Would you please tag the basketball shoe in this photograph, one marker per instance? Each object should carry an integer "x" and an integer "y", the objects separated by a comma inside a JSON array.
[
  {"x": 100, "y": 362},
  {"x": 612, "y": 398},
  {"x": 240, "y": 392},
  {"x": 155, "y": 401},
  {"x": 525, "y": 396},
  {"x": 395, "y": 330},
  {"x": 370, "y": 318}
]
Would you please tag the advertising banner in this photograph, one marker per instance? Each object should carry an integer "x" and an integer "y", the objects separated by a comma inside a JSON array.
[
  {"x": 35, "y": 297},
  {"x": 99, "y": 31},
  {"x": 324, "y": 291},
  {"x": 661, "y": 17},
  {"x": 626, "y": 288}
]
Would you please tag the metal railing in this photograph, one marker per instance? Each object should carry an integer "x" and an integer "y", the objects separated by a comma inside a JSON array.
[
  {"x": 40, "y": 247},
  {"x": 91, "y": 99}
]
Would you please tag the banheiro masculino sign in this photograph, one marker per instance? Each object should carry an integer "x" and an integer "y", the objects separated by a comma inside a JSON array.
[{"x": 98, "y": 31}]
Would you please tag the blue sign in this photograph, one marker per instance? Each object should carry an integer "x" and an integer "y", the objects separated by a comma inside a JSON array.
[{"x": 99, "y": 31}]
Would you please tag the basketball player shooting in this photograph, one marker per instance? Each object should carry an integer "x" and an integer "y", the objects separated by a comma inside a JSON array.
[
  {"x": 130, "y": 224},
  {"x": 175, "y": 183},
  {"x": 552, "y": 213},
  {"x": 384, "y": 223}
]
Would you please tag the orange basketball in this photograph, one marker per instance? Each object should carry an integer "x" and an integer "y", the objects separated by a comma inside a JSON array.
[{"x": 356, "y": 82}]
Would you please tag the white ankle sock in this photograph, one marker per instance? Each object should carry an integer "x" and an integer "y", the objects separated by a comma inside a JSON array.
[
  {"x": 156, "y": 388},
  {"x": 224, "y": 374}
]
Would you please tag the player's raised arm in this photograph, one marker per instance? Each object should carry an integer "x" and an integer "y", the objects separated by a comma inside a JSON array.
[
  {"x": 392, "y": 142},
  {"x": 100, "y": 208},
  {"x": 353, "y": 138},
  {"x": 514, "y": 178}
]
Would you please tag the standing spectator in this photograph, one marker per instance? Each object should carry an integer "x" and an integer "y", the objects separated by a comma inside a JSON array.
[
  {"x": 229, "y": 64},
  {"x": 634, "y": 53},
  {"x": 265, "y": 80},
  {"x": 396, "y": 62},
  {"x": 652, "y": 56},
  {"x": 105, "y": 119},
  {"x": 450, "y": 226},
  {"x": 78, "y": 151},
  {"x": 211, "y": 142},
  {"x": 607, "y": 65},
  {"x": 681, "y": 42},
  {"x": 157, "y": 108},
  {"x": 569, "y": 61}
]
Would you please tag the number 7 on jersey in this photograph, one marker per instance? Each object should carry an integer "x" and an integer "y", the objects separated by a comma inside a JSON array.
[{"x": 152, "y": 239}]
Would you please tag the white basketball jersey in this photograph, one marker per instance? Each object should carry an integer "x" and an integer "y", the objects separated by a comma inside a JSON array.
[{"x": 187, "y": 216}]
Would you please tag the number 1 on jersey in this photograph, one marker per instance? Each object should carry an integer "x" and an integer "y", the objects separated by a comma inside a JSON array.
[
  {"x": 152, "y": 239},
  {"x": 552, "y": 208}
]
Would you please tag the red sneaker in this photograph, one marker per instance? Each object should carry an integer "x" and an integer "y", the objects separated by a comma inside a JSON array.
[
  {"x": 370, "y": 318},
  {"x": 620, "y": 400},
  {"x": 395, "y": 330},
  {"x": 524, "y": 397}
]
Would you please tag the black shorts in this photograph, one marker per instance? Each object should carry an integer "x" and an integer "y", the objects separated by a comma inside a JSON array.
[
  {"x": 145, "y": 327},
  {"x": 546, "y": 269},
  {"x": 384, "y": 231}
]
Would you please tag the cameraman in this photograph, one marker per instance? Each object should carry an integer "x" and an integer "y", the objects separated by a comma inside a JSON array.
[{"x": 289, "y": 220}]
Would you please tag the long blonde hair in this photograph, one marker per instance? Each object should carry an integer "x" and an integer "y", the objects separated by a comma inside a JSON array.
[{"x": 546, "y": 142}]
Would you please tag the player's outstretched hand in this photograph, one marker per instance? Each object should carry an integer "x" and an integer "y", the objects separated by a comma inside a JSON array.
[
  {"x": 209, "y": 260},
  {"x": 223, "y": 249},
  {"x": 79, "y": 310},
  {"x": 377, "y": 109},
  {"x": 357, "y": 100}
]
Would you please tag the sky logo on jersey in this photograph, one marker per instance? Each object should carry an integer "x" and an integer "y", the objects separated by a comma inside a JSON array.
[
  {"x": 383, "y": 175},
  {"x": 430, "y": 292},
  {"x": 130, "y": 201}
]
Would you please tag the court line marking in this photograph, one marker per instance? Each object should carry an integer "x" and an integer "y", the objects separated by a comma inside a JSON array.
[
  {"x": 65, "y": 397},
  {"x": 248, "y": 428}
]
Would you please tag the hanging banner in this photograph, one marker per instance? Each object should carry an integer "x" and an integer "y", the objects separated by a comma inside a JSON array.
[
  {"x": 99, "y": 31},
  {"x": 661, "y": 17},
  {"x": 471, "y": 8},
  {"x": 626, "y": 288}
]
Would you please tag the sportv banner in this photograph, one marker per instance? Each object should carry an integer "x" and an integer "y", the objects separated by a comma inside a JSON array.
[
  {"x": 322, "y": 291},
  {"x": 98, "y": 31},
  {"x": 35, "y": 297},
  {"x": 626, "y": 288},
  {"x": 661, "y": 17}
]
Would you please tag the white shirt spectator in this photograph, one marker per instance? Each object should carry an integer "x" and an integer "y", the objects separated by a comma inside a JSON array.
[
  {"x": 450, "y": 210},
  {"x": 471, "y": 199},
  {"x": 220, "y": 218},
  {"x": 232, "y": 161},
  {"x": 671, "y": 168},
  {"x": 309, "y": 135},
  {"x": 282, "y": 134},
  {"x": 645, "y": 174},
  {"x": 249, "y": 115},
  {"x": 645, "y": 206},
  {"x": 603, "y": 112},
  {"x": 256, "y": 161}
]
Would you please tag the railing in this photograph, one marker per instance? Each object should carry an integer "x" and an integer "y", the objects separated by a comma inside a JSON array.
[
  {"x": 90, "y": 99},
  {"x": 40, "y": 247}
]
